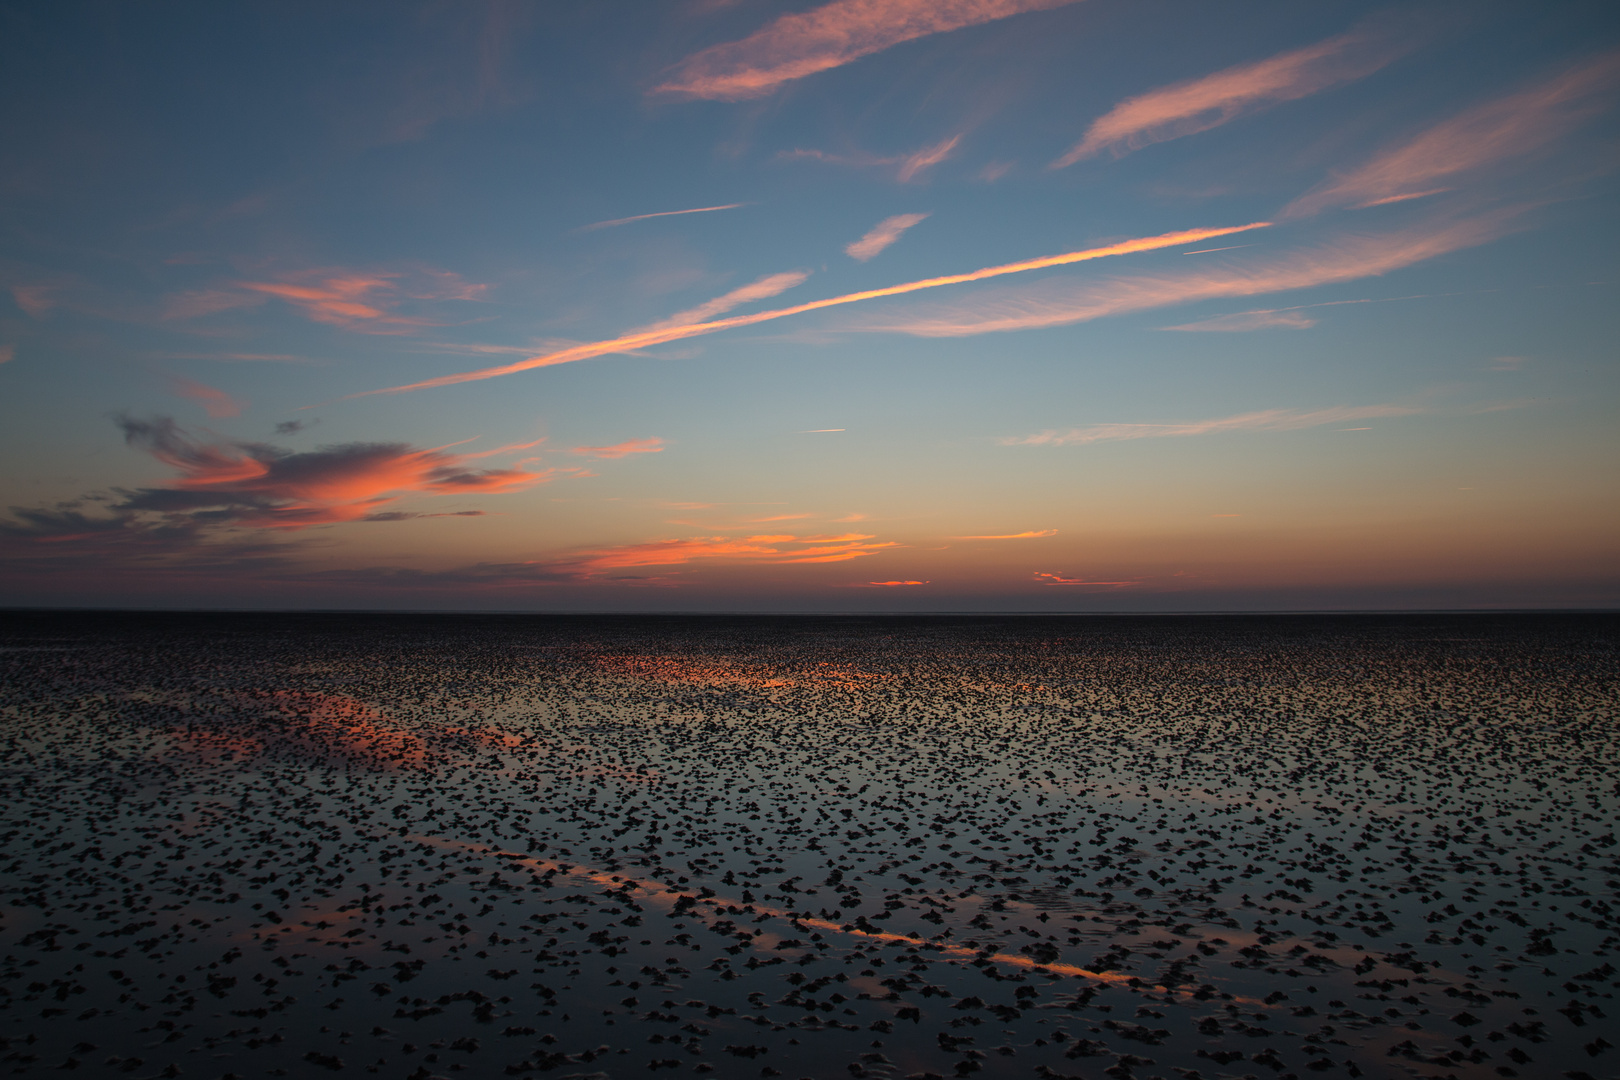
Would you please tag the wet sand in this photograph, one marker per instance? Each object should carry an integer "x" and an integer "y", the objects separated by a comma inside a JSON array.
[{"x": 417, "y": 846}]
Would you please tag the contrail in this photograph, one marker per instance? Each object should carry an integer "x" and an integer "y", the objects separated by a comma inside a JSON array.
[
  {"x": 646, "y": 338},
  {"x": 661, "y": 213}
]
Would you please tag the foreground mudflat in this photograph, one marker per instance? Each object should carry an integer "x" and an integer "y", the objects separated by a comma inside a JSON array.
[{"x": 490, "y": 846}]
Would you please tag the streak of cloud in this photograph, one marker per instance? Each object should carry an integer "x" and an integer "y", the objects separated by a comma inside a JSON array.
[
  {"x": 1263, "y": 420},
  {"x": 767, "y": 286},
  {"x": 881, "y": 236},
  {"x": 662, "y": 213},
  {"x": 217, "y": 403},
  {"x": 1058, "y": 302},
  {"x": 652, "y": 445},
  {"x": 1250, "y": 320},
  {"x": 1059, "y": 579},
  {"x": 1012, "y": 536},
  {"x": 364, "y": 301},
  {"x": 1196, "y": 105},
  {"x": 926, "y": 159},
  {"x": 1501, "y": 129},
  {"x": 767, "y": 548},
  {"x": 826, "y": 37},
  {"x": 892, "y": 584},
  {"x": 630, "y": 342}
]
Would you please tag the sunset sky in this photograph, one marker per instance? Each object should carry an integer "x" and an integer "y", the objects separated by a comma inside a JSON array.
[{"x": 772, "y": 305}]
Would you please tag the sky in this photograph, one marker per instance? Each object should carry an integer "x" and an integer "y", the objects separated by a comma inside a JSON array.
[{"x": 784, "y": 306}]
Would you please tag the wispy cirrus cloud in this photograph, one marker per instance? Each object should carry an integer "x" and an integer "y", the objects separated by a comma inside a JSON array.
[
  {"x": 217, "y": 403},
  {"x": 891, "y": 584},
  {"x": 1186, "y": 108},
  {"x": 1058, "y": 302},
  {"x": 653, "y": 445},
  {"x": 881, "y": 236},
  {"x": 1504, "y": 128},
  {"x": 1250, "y": 320},
  {"x": 615, "y": 222},
  {"x": 629, "y": 342},
  {"x": 1032, "y": 535},
  {"x": 826, "y": 37},
  {"x": 366, "y": 301},
  {"x": 767, "y": 286},
  {"x": 1262, "y": 420},
  {"x": 910, "y": 165}
]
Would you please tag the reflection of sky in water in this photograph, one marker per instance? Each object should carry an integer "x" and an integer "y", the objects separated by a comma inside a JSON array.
[{"x": 428, "y": 847}]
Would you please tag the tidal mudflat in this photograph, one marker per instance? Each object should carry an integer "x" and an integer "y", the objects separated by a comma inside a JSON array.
[{"x": 416, "y": 846}]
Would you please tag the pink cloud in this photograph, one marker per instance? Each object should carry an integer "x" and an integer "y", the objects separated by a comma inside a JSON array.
[
  {"x": 1263, "y": 420},
  {"x": 826, "y": 37},
  {"x": 1187, "y": 108},
  {"x": 1496, "y": 131},
  {"x": 217, "y": 403},
  {"x": 881, "y": 236},
  {"x": 366, "y": 301},
  {"x": 652, "y": 445}
]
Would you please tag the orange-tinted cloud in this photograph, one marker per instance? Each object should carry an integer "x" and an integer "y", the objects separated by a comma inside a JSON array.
[
  {"x": 217, "y": 403},
  {"x": 767, "y": 286},
  {"x": 1501, "y": 129},
  {"x": 926, "y": 159},
  {"x": 829, "y": 36},
  {"x": 261, "y": 486},
  {"x": 881, "y": 236},
  {"x": 1059, "y": 579},
  {"x": 658, "y": 337},
  {"x": 36, "y": 300},
  {"x": 892, "y": 584},
  {"x": 768, "y": 548},
  {"x": 1011, "y": 536},
  {"x": 653, "y": 445},
  {"x": 1187, "y": 108},
  {"x": 1057, "y": 301},
  {"x": 356, "y": 300},
  {"x": 1264, "y": 420},
  {"x": 662, "y": 213},
  {"x": 8, "y": 353}
]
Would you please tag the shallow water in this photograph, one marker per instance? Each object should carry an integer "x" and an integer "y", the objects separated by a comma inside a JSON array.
[{"x": 488, "y": 846}]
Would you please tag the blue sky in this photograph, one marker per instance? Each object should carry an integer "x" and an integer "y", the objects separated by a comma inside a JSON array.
[{"x": 1335, "y": 327}]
